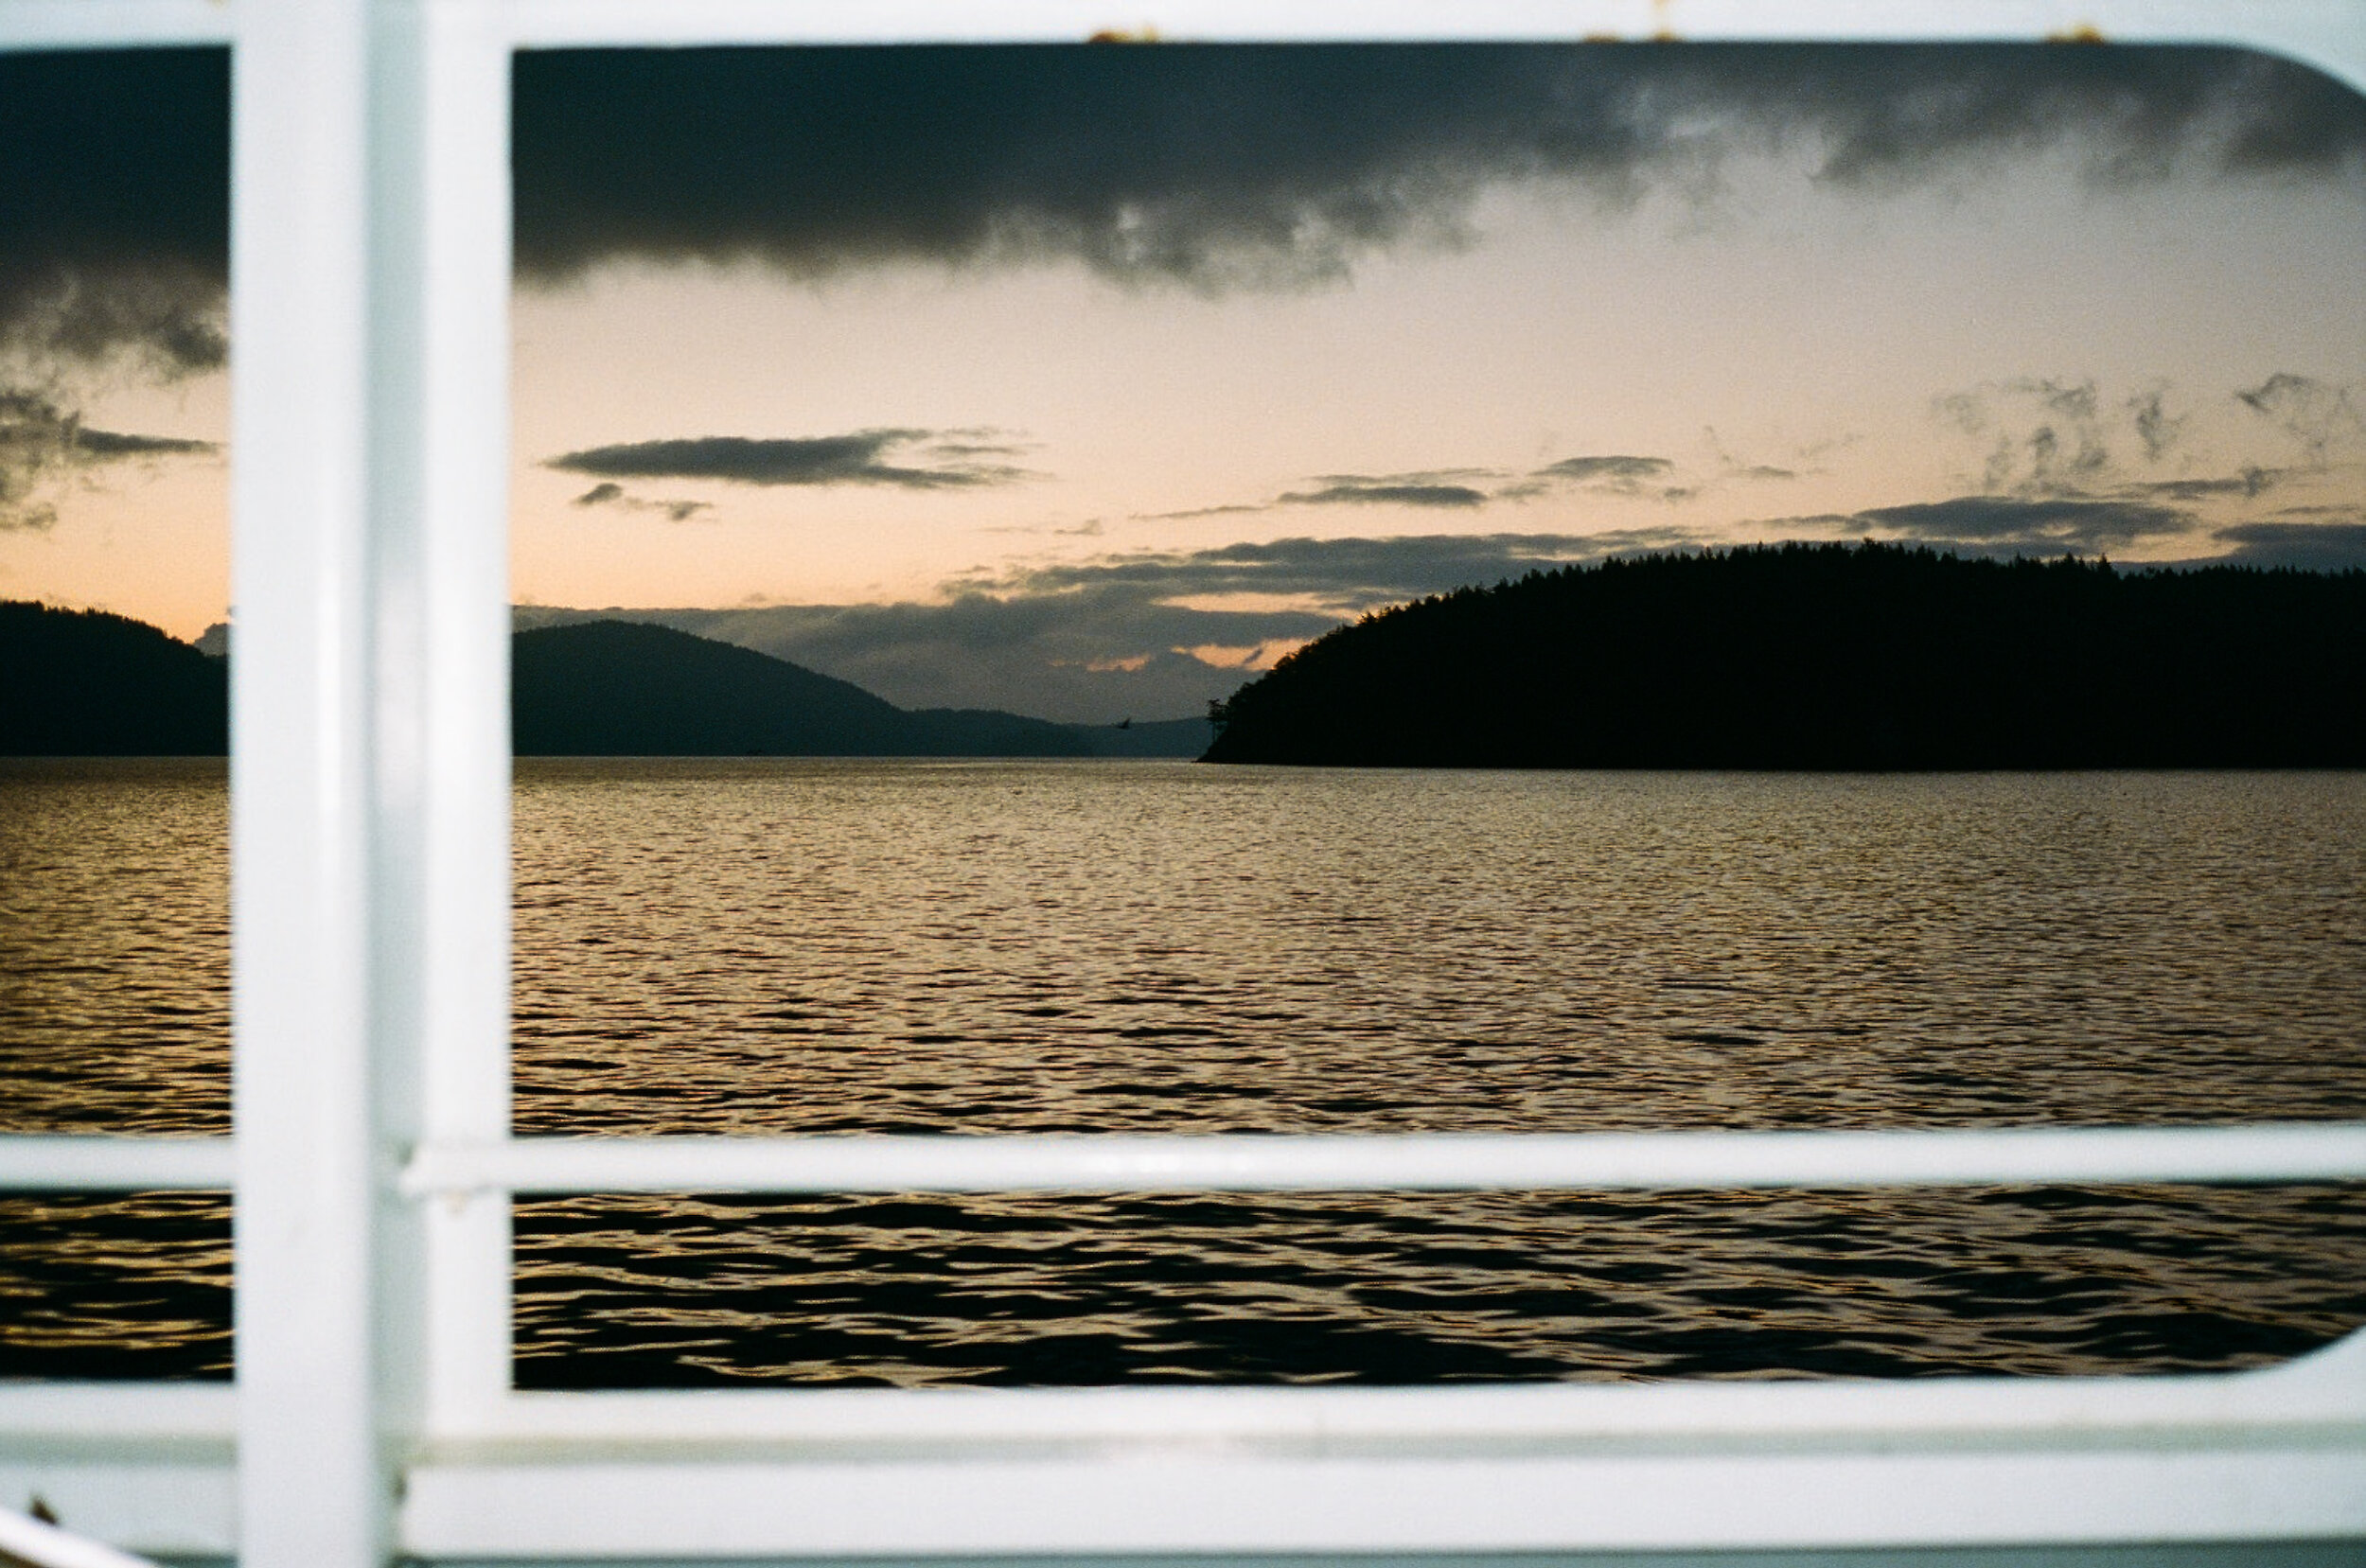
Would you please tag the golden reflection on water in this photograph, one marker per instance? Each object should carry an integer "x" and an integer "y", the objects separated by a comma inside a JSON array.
[
  {"x": 843, "y": 946},
  {"x": 778, "y": 946},
  {"x": 115, "y": 944},
  {"x": 782, "y": 946}
]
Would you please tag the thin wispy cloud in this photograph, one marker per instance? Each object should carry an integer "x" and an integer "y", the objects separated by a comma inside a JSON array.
[
  {"x": 2047, "y": 436},
  {"x": 1622, "y": 474},
  {"x": 2158, "y": 428},
  {"x": 1467, "y": 489},
  {"x": 2250, "y": 484},
  {"x": 614, "y": 497},
  {"x": 2322, "y": 417},
  {"x": 1416, "y": 489},
  {"x": 1195, "y": 513},
  {"x": 2097, "y": 459},
  {"x": 907, "y": 459},
  {"x": 1345, "y": 575},
  {"x": 44, "y": 442}
]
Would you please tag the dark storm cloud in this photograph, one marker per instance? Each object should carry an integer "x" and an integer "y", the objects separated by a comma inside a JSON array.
[
  {"x": 114, "y": 208},
  {"x": 1272, "y": 166},
  {"x": 1278, "y": 165},
  {"x": 1989, "y": 524},
  {"x": 854, "y": 459}
]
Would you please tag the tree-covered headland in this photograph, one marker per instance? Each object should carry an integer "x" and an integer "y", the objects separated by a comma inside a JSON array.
[
  {"x": 88, "y": 683},
  {"x": 1865, "y": 657}
]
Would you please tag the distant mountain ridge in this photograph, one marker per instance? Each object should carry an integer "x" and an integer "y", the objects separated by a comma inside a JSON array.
[
  {"x": 622, "y": 688},
  {"x": 88, "y": 683},
  {"x": 1832, "y": 657}
]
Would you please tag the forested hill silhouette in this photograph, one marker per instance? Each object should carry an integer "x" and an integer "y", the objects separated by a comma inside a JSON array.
[
  {"x": 620, "y": 688},
  {"x": 88, "y": 683},
  {"x": 1871, "y": 657}
]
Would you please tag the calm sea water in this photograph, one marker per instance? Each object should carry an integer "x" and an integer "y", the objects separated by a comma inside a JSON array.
[{"x": 1004, "y": 946}]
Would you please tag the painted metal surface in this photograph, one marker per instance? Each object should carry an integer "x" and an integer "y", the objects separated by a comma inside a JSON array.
[
  {"x": 370, "y": 887},
  {"x": 1434, "y": 1162},
  {"x": 84, "y": 1164}
]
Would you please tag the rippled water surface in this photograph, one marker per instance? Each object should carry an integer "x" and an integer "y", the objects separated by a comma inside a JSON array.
[{"x": 1007, "y": 946}]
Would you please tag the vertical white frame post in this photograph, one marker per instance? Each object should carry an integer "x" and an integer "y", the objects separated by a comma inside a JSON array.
[
  {"x": 370, "y": 817},
  {"x": 312, "y": 1481},
  {"x": 440, "y": 440}
]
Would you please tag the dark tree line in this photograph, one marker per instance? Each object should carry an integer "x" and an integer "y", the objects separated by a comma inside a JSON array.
[
  {"x": 1869, "y": 657},
  {"x": 88, "y": 683}
]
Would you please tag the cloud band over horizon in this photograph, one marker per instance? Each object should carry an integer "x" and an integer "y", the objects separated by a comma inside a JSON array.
[
  {"x": 1261, "y": 167},
  {"x": 858, "y": 458},
  {"x": 1213, "y": 166}
]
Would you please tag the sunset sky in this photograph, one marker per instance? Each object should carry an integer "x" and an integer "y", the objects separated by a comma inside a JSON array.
[{"x": 1086, "y": 382}]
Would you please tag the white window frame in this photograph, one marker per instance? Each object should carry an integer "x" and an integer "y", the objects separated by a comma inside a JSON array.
[{"x": 373, "y": 1166}]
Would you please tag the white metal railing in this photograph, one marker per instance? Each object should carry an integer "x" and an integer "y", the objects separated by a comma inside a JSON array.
[
  {"x": 373, "y": 1166},
  {"x": 2295, "y": 1152},
  {"x": 1431, "y": 1162}
]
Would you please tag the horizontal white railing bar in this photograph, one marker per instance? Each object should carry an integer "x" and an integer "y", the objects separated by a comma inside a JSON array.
[
  {"x": 546, "y": 22},
  {"x": 113, "y": 24},
  {"x": 187, "y": 1416},
  {"x": 1381, "y": 1162},
  {"x": 2278, "y": 1453},
  {"x": 1883, "y": 1492},
  {"x": 83, "y": 1163},
  {"x": 2325, "y": 1389}
]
